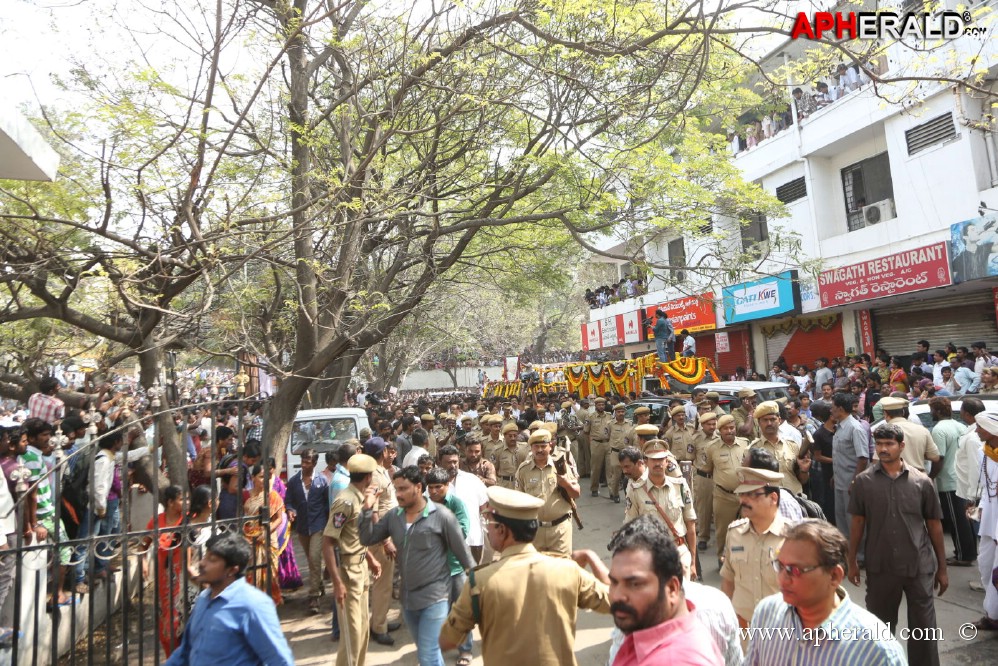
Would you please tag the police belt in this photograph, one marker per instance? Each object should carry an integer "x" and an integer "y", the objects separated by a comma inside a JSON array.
[
  {"x": 719, "y": 487},
  {"x": 706, "y": 475},
  {"x": 353, "y": 558},
  {"x": 506, "y": 478},
  {"x": 557, "y": 521}
]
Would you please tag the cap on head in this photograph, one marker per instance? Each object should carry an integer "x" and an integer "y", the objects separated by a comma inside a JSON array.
[
  {"x": 642, "y": 410},
  {"x": 551, "y": 427},
  {"x": 677, "y": 410},
  {"x": 890, "y": 404},
  {"x": 361, "y": 464},
  {"x": 753, "y": 479},
  {"x": 513, "y": 504},
  {"x": 619, "y": 407},
  {"x": 767, "y": 408},
  {"x": 374, "y": 447},
  {"x": 725, "y": 420},
  {"x": 656, "y": 449},
  {"x": 646, "y": 429},
  {"x": 600, "y": 401},
  {"x": 534, "y": 425},
  {"x": 987, "y": 421},
  {"x": 541, "y": 436},
  {"x": 708, "y": 416},
  {"x": 510, "y": 427},
  {"x": 712, "y": 395},
  {"x": 466, "y": 419},
  {"x": 746, "y": 393}
]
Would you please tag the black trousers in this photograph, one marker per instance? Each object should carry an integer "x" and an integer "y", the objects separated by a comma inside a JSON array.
[
  {"x": 883, "y": 599},
  {"x": 955, "y": 520}
]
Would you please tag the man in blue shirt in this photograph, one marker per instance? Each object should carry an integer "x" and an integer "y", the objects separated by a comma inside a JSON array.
[
  {"x": 665, "y": 336},
  {"x": 232, "y": 622}
]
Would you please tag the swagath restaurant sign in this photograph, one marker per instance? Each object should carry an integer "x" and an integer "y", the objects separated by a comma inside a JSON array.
[{"x": 778, "y": 295}]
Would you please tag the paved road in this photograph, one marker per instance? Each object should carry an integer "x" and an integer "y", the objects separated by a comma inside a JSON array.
[{"x": 310, "y": 635}]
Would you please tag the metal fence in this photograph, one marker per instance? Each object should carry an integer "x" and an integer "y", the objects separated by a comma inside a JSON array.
[{"x": 139, "y": 576}]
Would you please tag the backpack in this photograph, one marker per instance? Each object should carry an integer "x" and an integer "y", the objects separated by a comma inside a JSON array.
[
  {"x": 810, "y": 508},
  {"x": 76, "y": 484}
]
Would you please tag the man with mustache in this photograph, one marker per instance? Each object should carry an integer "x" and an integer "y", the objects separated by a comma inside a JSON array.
[
  {"x": 648, "y": 603},
  {"x": 899, "y": 508}
]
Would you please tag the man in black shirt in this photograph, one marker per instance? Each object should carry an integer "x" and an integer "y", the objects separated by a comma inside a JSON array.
[{"x": 822, "y": 450}]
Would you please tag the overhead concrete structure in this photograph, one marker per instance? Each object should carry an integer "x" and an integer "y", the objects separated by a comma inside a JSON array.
[{"x": 24, "y": 154}]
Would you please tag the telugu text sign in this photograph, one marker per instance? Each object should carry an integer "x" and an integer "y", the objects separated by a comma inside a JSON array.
[{"x": 898, "y": 273}]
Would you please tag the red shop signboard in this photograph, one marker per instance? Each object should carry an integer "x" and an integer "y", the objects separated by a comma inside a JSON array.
[{"x": 899, "y": 273}]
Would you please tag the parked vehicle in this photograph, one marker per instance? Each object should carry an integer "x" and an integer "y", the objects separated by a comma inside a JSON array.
[
  {"x": 729, "y": 391},
  {"x": 323, "y": 430}
]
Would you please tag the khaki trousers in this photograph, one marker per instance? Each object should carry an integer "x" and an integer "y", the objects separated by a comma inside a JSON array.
[
  {"x": 613, "y": 473},
  {"x": 354, "y": 622},
  {"x": 312, "y": 545},
  {"x": 725, "y": 511},
  {"x": 703, "y": 504},
  {"x": 600, "y": 453},
  {"x": 381, "y": 590},
  {"x": 582, "y": 460},
  {"x": 557, "y": 539}
]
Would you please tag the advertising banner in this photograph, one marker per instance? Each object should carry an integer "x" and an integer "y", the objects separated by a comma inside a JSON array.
[
  {"x": 630, "y": 326},
  {"x": 899, "y": 273},
  {"x": 760, "y": 299},
  {"x": 695, "y": 313},
  {"x": 972, "y": 248}
]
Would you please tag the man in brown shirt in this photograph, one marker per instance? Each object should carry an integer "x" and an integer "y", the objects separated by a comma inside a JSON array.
[
  {"x": 474, "y": 463},
  {"x": 510, "y": 456},
  {"x": 898, "y": 507},
  {"x": 724, "y": 457},
  {"x": 679, "y": 435},
  {"x": 538, "y": 477}
]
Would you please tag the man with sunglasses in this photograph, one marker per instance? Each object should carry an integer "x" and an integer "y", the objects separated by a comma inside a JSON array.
[
  {"x": 747, "y": 574},
  {"x": 825, "y": 626}
]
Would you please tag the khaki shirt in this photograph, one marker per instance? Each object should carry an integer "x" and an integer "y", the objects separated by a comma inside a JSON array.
[
  {"x": 583, "y": 415},
  {"x": 785, "y": 451},
  {"x": 490, "y": 448},
  {"x": 386, "y": 500},
  {"x": 680, "y": 441},
  {"x": 508, "y": 602},
  {"x": 741, "y": 416},
  {"x": 673, "y": 496},
  {"x": 748, "y": 558},
  {"x": 342, "y": 523},
  {"x": 508, "y": 461},
  {"x": 700, "y": 444},
  {"x": 918, "y": 443},
  {"x": 723, "y": 462},
  {"x": 542, "y": 482},
  {"x": 598, "y": 427},
  {"x": 431, "y": 444},
  {"x": 622, "y": 435},
  {"x": 442, "y": 436}
]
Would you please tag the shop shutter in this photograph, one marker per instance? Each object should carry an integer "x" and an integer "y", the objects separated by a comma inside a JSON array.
[
  {"x": 803, "y": 347},
  {"x": 960, "y": 319},
  {"x": 740, "y": 354},
  {"x": 774, "y": 348}
]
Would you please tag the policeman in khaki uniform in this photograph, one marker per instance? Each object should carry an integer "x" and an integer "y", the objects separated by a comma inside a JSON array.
[
  {"x": 747, "y": 576},
  {"x": 598, "y": 431},
  {"x": 795, "y": 470},
  {"x": 679, "y": 435},
  {"x": 642, "y": 415},
  {"x": 724, "y": 457},
  {"x": 523, "y": 591},
  {"x": 582, "y": 414},
  {"x": 507, "y": 415},
  {"x": 446, "y": 432},
  {"x": 665, "y": 491},
  {"x": 428, "y": 422},
  {"x": 645, "y": 433},
  {"x": 538, "y": 477},
  {"x": 621, "y": 435},
  {"x": 510, "y": 456},
  {"x": 745, "y": 423},
  {"x": 491, "y": 440},
  {"x": 703, "y": 481},
  {"x": 713, "y": 398},
  {"x": 350, "y": 578}
]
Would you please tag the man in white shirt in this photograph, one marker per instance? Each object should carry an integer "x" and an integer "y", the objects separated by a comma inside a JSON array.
[
  {"x": 982, "y": 357},
  {"x": 939, "y": 359},
  {"x": 987, "y": 556},
  {"x": 471, "y": 491}
]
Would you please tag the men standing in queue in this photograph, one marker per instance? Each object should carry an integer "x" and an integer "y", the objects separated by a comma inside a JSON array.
[
  {"x": 745, "y": 423},
  {"x": 679, "y": 435},
  {"x": 621, "y": 435},
  {"x": 510, "y": 456},
  {"x": 747, "y": 575},
  {"x": 598, "y": 431},
  {"x": 666, "y": 495},
  {"x": 502, "y": 599},
  {"x": 724, "y": 457},
  {"x": 539, "y": 477},
  {"x": 905, "y": 553},
  {"x": 796, "y": 469},
  {"x": 703, "y": 481},
  {"x": 386, "y": 551},
  {"x": 350, "y": 575}
]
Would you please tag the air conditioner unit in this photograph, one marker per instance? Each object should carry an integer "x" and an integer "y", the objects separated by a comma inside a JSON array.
[{"x": 878, "y": 212}]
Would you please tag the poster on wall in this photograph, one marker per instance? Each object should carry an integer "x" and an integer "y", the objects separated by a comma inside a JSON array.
[
  {"x": 974, "y": 248},
  {"x": 593, "y": 335},
  {"x": 629, "y": 325},
  {"x": 759, "y": 299},
  {"x": 609, "y": 333},
  {"x": 694, "y": 313},
  {"x": 721, "y": 343}
]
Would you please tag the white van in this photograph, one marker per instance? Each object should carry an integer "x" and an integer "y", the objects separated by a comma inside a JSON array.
[{"x": 323, "y": 430}]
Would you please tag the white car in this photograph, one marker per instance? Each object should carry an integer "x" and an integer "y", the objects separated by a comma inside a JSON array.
[
  {"x": 323, "y": 430},
  {"x": 920, "y": 408},
  {"x": 729, "y": 391}
]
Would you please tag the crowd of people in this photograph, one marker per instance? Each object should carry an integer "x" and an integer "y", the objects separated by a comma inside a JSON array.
[{"x": 629, "y": 286}]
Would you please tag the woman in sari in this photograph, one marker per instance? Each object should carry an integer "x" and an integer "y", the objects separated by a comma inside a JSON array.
[
  {"x": 898, "y": 377},
  {"x": 170, "y": 557},
  {"x": 288, "y": 574},
  {"x": 267, "y": 499}
]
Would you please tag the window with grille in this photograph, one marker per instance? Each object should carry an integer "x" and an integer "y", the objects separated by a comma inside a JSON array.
[
  {"x": 792, "y": 191},
  {"x": 755, "y": 233},
  {"x": 707, "y": 227},
  {"x": 930, "y": 133},
  {"x": 866, "y": 183},
  {"x": 677, "y": 260}
]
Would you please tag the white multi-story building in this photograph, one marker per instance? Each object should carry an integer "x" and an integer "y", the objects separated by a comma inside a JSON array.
[{"x": 898, "y": 202}]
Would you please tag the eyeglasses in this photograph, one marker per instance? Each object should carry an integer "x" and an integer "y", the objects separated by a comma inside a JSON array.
[
  {"x": 792, "y": 570},
  {"x": 754, "y": 494}
]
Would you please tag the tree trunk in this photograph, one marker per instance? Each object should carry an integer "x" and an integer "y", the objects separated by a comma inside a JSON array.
[
  {"x": 452, "y": 373},
  {"x": 279, "y": 417},
  {"x": 337, "y": 379},
  {"x": 150, "y": 362}
]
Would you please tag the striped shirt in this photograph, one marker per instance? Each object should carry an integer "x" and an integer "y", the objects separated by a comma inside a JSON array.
[
  {"x": 36, "y": 464},
  {"x": 851, "y": 636}
]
